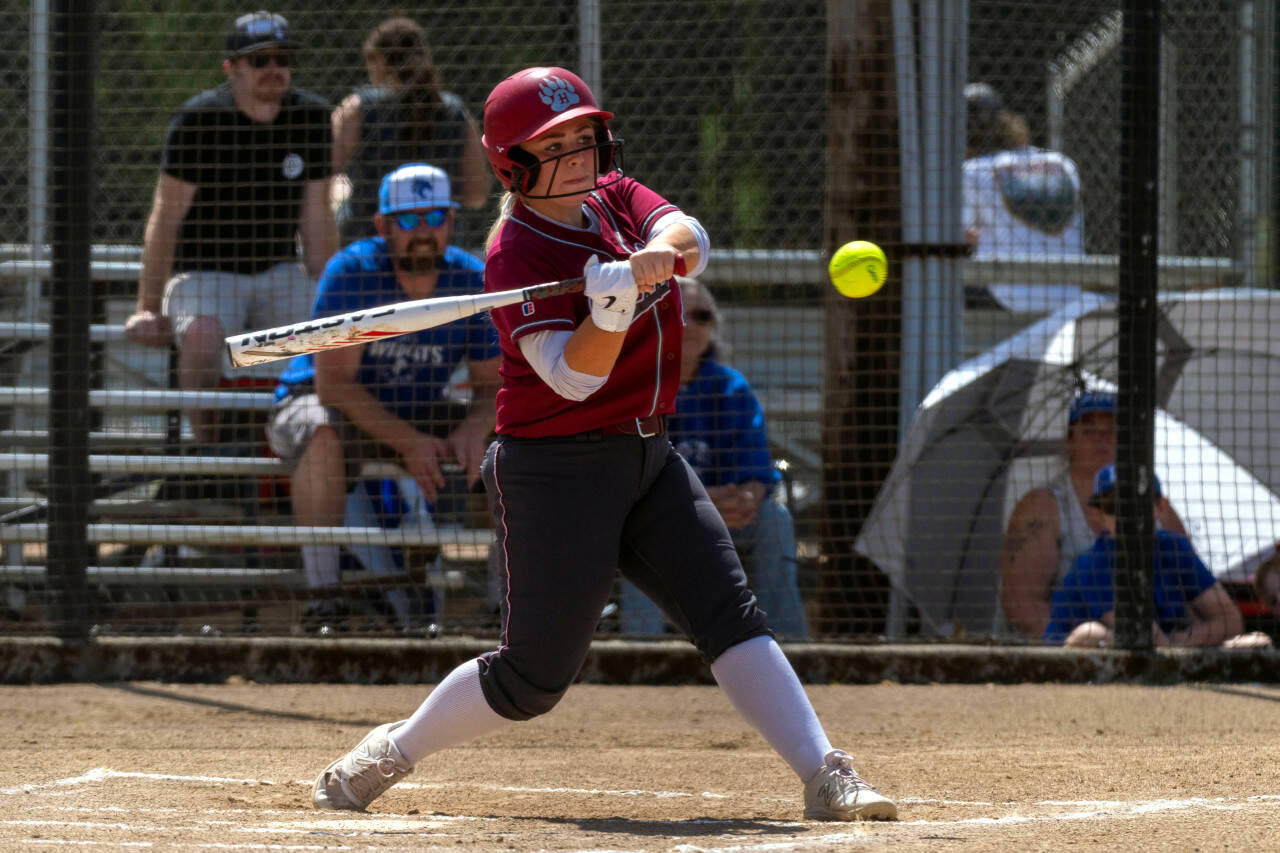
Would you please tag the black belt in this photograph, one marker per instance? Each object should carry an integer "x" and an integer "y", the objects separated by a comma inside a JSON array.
[{"x": 643, "y": 427}]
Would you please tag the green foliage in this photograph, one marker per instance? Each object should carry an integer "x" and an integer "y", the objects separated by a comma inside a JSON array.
[{"x": 702, "y": 100}]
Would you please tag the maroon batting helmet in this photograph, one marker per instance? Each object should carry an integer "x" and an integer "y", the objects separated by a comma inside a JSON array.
[{"x": 529, "y": 103}]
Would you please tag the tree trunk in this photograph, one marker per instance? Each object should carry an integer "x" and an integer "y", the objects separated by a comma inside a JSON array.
[{"x": 863, "y": 337}]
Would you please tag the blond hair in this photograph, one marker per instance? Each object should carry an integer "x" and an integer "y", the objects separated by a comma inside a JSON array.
[{"x": 504, "y": 213}]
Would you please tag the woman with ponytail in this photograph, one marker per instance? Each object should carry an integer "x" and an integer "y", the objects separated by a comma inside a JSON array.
[{"x": 403, "y": 115}]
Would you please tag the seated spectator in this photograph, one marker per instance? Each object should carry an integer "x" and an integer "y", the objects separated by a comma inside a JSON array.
[
  {"x": 1048, "y": 530},
  {"x": 402, "y": 115},
  {"x": 718, "y": 427},
  {"x": 387, "y": 399},
  {"x": 244, "y": 179},
  {"x": 1018, "y": 199},
  {"x": 1191, "y": 607}
]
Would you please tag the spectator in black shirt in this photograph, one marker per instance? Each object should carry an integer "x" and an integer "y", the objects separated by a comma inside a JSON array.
[{"x": 245, "y": 173}]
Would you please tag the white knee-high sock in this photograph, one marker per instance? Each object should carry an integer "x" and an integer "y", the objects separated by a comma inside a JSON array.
[
  {"x": 320, "y": 563},
  {"x": 761, "y": 684},
  {"x": 455, "y": 712}
]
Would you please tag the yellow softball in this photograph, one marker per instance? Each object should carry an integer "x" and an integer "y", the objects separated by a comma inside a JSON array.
[{"x": 858, "y": 269}]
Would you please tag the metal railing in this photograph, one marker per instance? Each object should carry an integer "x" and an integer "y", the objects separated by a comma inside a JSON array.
[{"x": 793, "y": 266}]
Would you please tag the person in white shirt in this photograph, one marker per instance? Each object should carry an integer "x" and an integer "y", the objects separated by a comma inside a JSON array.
[{"x": 1017, "y": 198}]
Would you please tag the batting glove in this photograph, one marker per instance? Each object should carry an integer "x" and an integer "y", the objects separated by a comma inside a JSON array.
[{"x": 611, "y": 290}]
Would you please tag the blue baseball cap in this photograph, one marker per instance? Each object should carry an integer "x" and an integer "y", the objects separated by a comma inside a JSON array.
[
  {"x": 1104, "y": 482},
  {"x": 414, "y": 186},
  {"x": 1091, "y": 401}
]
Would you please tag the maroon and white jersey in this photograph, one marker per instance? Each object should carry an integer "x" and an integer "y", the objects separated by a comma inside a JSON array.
[{"x": 531, "y": 249}]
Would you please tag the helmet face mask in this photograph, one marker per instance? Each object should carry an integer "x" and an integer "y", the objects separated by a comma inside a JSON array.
[
  {"x": 608, "y": 160},
  {"x": 528, "y": 104}
]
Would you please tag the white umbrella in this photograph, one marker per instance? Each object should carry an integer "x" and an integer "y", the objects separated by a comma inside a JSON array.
[{"x": 994, "y": 427}]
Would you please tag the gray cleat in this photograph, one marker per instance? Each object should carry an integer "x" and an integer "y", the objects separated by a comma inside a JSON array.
[
  {"x": 363, "y": 774},
  {"x": 836, "y": 792}
]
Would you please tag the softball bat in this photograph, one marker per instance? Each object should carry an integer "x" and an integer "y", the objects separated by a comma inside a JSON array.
[{"x": 386, "y": 321}]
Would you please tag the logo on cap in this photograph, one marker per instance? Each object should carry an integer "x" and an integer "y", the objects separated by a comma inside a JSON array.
[
  {"x": 257, "y": 30},
  {"x": 263, "y": 27},
  {"x": 412, "y": 187}
]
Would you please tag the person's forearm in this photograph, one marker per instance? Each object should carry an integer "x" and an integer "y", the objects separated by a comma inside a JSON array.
[
  {"x": 483, "y": 410},
  {"x": 1201, "y": 633},
  {"x": 367, "y": 414},
  {"x": 1028, "y": 615},
  {"x": 591, "y": 350},
  {"x": 319, "y": 244},
  {"x": 319, "y": 234},
  {"x": 681, "y": 239},
  {"x": 159, "y": 244},
  {"x": 1029, "y": 559}
]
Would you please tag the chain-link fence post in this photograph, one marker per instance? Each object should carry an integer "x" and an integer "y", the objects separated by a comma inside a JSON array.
[
  {"x": 72, "y": 179},
  {"x": 1139, "y": 245}
]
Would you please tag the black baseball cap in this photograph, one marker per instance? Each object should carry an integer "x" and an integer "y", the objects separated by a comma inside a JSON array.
[{"x": 258, "y": 30}]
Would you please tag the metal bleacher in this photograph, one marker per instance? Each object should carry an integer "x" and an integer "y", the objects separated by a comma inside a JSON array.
[{"x": 132, "y": 454}]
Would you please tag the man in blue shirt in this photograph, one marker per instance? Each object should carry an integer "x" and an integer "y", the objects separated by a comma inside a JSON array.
[
  {"x": 1191, "y": 607},
  {"x": 719, "y": 428},
  {"x": 389, "y": 398}
]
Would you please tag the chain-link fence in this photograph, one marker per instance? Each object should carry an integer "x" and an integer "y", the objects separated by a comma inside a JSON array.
[{"x": 787, "y": 129}]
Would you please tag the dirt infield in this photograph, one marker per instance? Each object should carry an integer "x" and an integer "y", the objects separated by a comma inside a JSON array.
[{"x": 228, "y": 767}]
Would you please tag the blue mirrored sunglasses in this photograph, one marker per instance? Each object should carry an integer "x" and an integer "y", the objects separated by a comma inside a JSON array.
[{"x": 410, "y": 219}]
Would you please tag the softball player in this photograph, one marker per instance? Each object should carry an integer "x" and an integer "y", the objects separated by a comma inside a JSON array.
[{"x": 583, "y": 479}]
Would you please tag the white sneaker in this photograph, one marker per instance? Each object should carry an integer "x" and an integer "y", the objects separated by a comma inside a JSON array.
[
  {"x": 836, "y": 792},
  {"x": 363, "y": 774}
]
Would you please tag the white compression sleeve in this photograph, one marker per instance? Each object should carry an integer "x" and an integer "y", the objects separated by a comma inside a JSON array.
[
  {"x": 545, "y": 354},
  {"x": 695, "y": 228},
  {"x": 761, "y": 684}
]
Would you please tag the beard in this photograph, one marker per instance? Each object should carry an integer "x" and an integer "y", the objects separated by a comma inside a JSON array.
[{"x": 420, "y": 257}]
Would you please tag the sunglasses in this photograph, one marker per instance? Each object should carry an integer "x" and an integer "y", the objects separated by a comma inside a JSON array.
[
  {"x": 262, "y": 60},
  {"x": 701, "y": 316},
  {"x": 434, "y": 218}
]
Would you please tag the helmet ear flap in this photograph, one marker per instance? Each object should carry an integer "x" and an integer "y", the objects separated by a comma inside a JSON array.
[
  {"x": 604, "y": 139},
  {"x": 524, "y": 170}
]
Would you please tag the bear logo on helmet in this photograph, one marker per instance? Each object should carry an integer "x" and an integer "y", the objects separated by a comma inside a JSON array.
[{"x": 558, "y": 94}]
